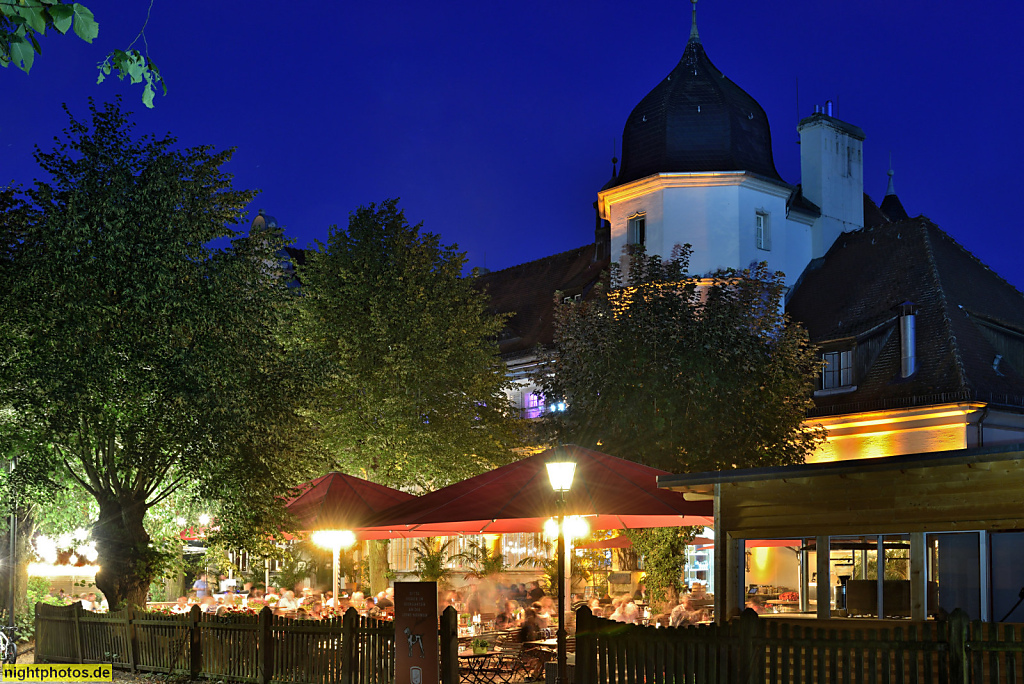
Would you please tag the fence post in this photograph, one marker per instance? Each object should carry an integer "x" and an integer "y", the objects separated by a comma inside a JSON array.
[
  {"x": 449, "y": 642},
  {"x": 133, "y": 644},
  {"x": 747, "y": 651},
  {"x": 585, "y": 670},
  {"x": 959, "y": 662},
  {"x": 349, "y": 647},
  {"x": 76, "y": 611},
  {"x": 35, "y": 653},
  {"x": 195, "y": 660},
  {"x": 264, "y": 647}
]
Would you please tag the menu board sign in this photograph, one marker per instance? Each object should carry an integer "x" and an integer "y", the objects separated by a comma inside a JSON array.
[{"x": 416, "y": 630}]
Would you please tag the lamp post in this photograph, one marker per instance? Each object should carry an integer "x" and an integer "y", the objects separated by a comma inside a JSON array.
[
  {"x": 335, "y": 540},
  {"x": 561, "y": 468}
]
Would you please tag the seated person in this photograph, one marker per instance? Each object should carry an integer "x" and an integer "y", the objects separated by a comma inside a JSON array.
[
  {"x": 287, "y": 601},
  {"x": 181, "y": 606},
  {"x": 506, "y": 619}
]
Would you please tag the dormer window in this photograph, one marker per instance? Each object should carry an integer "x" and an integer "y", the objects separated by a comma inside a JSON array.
[
  {"x": 636, "y": 231},
  {"x": 837, "y": 369},
  {"x": 763, "y": 231}
]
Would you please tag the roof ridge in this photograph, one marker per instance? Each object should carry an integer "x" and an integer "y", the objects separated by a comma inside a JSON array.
[
  {"x": 947, "y": 322},
  {"x": 534, "y": 261},
  {"x": 970, "y": 254}
]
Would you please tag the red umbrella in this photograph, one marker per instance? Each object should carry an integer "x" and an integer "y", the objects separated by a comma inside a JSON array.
[
  {"x": 336, "y": 501},
  {"x": 610, "y": 492}
]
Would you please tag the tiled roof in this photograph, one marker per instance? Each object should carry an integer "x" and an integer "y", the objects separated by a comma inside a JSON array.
[
  {"x": 528, "y": 291},
  {"x": 966, "y": 315}
]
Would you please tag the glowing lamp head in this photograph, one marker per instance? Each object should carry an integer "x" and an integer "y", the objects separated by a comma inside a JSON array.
[
  {"x": 561, "y": 469},
  {"x": 180, "y": 522},
  {"x": 334, "y": 539},
  {"x": 204, "y": 519},
  {"x": 576, "y": 527},
  {"x": 65, "y": 541}
]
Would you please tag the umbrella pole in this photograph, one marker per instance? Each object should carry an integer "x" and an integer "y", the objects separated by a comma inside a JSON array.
[{"x": 334, "y": 572}]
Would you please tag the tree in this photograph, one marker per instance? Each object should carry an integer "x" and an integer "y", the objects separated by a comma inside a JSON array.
[
  {"x": 142, "y": 357},
  {"x": 21, "y": 21},
  {"x": 683, "y": 373},
  {"x": 409, "y": 389},
  {"x": 664, "y": 552}
]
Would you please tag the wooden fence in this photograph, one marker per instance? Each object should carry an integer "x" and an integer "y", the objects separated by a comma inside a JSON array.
[
  {"x": 243, "y": 648},
  {"x": 773, "y": 650}
]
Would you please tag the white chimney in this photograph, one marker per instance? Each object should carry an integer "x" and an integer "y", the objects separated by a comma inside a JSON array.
[{"x": 832, "y": 176}]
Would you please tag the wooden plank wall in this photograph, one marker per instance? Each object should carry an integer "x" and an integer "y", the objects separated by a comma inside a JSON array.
[{"x": 968, "y": 496}]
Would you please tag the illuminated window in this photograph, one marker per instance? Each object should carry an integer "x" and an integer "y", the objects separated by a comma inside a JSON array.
[
  {"x": 764, "y": 235},
  {"x": 837, "y": 370},
  {"x": 637, "y": 231}
]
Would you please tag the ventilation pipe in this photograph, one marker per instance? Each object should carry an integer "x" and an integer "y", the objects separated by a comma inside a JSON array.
[{"x": 908, "y": 345}]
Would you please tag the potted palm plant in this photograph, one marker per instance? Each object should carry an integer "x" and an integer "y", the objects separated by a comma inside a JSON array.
[{"x": 432, "y": 560}]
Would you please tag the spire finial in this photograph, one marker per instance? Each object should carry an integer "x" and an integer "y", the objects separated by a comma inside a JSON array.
[
  {"x": 694, "y": 36},
  {"x": 891, "y": 190}
]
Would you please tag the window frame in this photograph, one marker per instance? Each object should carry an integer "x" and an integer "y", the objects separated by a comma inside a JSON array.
[
  {"x": 762, "y": 231},
  {"x": 636, "y": 229},
  {"x": 834, "y": 378}
]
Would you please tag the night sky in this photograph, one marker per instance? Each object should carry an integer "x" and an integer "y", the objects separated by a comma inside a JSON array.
[{"x": 495, "y": 122}]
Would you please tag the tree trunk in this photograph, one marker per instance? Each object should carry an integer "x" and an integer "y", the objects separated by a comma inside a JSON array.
[
  {"x": 379, "y": 568},
  {"x": 127, "y": 562}
]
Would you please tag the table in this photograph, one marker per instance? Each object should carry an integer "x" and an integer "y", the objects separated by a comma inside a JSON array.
[{"x": 479, "y": 667}]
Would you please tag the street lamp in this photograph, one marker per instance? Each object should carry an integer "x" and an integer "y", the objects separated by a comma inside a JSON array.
[
  {"x": 561, "y": 467},
  {"x": 335, "y": 540}
]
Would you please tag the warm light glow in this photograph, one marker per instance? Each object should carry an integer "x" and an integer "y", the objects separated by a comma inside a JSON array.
[
  {"x": 51, "y": 570},
  {"x": 91, "y": 554},
  {"x": 334, "y": 539},
  {"x": 73, "y": 560},
  {"x": 180, "y": 522},
  {"x": 760, "y": 554},
  {"x": 65, "y": 541},
  {"x": 81, "y": 534},
  {"x": 204, "y": 519},
  {"x": 46, "y": 549},
  {"x": 561, "y": 473},
  {"x": 575, "y": 526}
]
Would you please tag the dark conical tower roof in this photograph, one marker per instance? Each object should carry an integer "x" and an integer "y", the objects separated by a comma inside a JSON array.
[{"x": 696, "y": 119}]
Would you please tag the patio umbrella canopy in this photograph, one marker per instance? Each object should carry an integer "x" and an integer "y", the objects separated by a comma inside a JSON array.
[
  {"x": 610, "y": 492},
  {"x": 336, "y": 501}
]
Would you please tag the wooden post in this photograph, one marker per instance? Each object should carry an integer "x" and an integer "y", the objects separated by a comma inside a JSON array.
[
  {"x": 264, "y": 647},
  {"x": 736, "y": 565},
  {"x": 133, "y": 644},
  {"x": 195, "y": 653},
  {"x": 585, "y": 670},
  {"x": 746, "y": 667},
  {"x": 959, "y": 664},
  {"x": 824, "y": 591},
  {"x": 918, "y": 577},
  {"x": 76, "y": 612},
  {"x": 35, "y": 655},
  {"x": 721, "y": 562},
  {"x": 449, "y": 643},
  {"x": 349, "y": 647},
  {"x": 880, "y": 576}
]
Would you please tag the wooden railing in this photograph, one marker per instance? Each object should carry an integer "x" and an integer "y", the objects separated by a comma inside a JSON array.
[
  {"x": 752, "y": 650},
  {"x": 243, "y": 648}
]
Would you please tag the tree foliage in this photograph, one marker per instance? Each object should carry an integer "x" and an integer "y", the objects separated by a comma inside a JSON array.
[
  {"x": 23, "y": 22},
  {"x": 142, "y": 357},
  {"x": 664, "y": 552},
  {"x": 683, "y": 373},
  {"x": 409, "y": 389}
]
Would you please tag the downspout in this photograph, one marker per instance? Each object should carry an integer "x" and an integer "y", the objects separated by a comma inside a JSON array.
[{"x": 981, "y": 426}]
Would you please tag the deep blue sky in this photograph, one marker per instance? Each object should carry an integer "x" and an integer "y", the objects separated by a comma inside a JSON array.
[{"x": 494, "y": 122}]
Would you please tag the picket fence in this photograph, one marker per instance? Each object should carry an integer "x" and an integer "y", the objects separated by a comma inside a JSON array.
[
  {"x": 259, "y": 648},
  {"x": 774, "y": 650}
]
